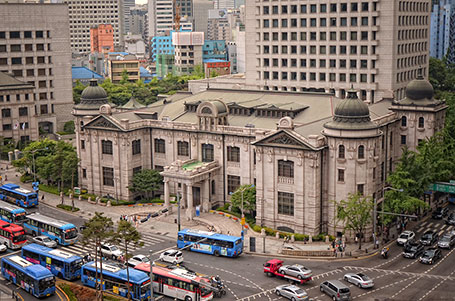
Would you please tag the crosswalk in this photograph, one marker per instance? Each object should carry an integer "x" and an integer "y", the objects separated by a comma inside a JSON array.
[
  {"x": 439, "y": 227},
  {"x": 81, "y": 250}
]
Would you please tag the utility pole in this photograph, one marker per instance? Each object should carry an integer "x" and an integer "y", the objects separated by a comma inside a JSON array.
[
  {"x": 178, "y": 210},
  {"x": 152, "y": 298}
]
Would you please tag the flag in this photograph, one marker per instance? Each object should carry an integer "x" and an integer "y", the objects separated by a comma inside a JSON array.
[
  {"x": 23, "y": 126},
  {"x": 16, "y": 125}
]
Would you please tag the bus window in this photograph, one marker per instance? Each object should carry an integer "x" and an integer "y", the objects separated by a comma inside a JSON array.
[{"x": 180, "y": 237}]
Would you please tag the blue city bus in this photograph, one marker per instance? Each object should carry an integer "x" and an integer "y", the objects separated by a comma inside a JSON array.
[
  {"x": 62, "y": 232},
  {"x": 62, "y": 264},
  {"x": 33, "y": 278},
  {"x": 115, "y": 279},
  {"x": 210, "y": 243},
  {"x": 14, "y": 194},
  {"x": 11, "y": 213}
]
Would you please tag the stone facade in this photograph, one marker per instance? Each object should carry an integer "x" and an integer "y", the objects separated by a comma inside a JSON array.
[{"x": 301, "y": 159}]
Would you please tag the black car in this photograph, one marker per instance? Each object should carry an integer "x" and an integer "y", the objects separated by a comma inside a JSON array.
[
  {"x": 429, "y": 238},
  {"x": 451, "y": 219},
  {"x": 430, "y": 256},
  {"x": 439, "y": 213},
  {"x": 412, "y": 249}
]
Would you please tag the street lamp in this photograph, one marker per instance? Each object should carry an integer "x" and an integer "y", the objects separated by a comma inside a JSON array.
[
  {"x": 241, "y": 208},
  {"x": 33, "y": 157},
  {"x": 152, "y": 298},
  {"x": 382, "y": 212}
]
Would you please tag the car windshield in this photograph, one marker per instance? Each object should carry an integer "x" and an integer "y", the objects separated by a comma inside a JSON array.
[
  {"x": 144, "y": 259},
  {"x": 364, "y": 277},
  {"x": 438, "y": 210},
  {"x": 445, "y": 239},
  {"x": 114, "y": 248},
  {"x": 344, "y": 290},
  {"x": 299, "y": 291},
  {"x": 404, "y": 236},
  {"x": 428, "y": 253},
  {"x": 46, "y": 283},
  {"x": 70, "y": 233},
  {"x": 46, "y": 239},
  {"x": 427, "y": 236}
]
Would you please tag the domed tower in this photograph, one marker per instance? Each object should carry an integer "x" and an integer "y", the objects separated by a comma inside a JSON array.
[
  {"x": 420, "y": 115},
  {"x": 352, "y": 160}
]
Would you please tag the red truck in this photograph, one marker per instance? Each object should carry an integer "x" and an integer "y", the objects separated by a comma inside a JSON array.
[{"x": 275, "y": 267}]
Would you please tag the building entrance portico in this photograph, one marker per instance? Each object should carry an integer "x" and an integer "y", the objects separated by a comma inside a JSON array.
[{"x": 191, "y": 179}]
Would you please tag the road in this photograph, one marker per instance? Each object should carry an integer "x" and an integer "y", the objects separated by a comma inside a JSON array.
[{"x": 396, "y": 278}]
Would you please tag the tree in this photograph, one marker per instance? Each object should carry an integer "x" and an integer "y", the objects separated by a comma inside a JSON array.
[
  {"x": 125, "y": 235},
  {"x": 99, "y": 229},
  {"x": 77, "y": 91},
  {"x": 198, "y": 71},
  {"x": 69, "y": 127},
  {"x": 249, "y": 198},
  {"x": 355, "y": 213},
  {"x": 213, "y": 73},
  {"x": 146, "y": 181}
]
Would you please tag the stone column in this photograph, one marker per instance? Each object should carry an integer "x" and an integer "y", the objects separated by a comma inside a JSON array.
[
  {"x": 205, "y": 195},
  {"x": 166, "y": 194},
  {"x": 190, "y": 209}
]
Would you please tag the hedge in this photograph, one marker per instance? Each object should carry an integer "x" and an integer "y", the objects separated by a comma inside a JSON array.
[
  {"x": 67, "y": 207},
  {"x": 68, "y": 291}
]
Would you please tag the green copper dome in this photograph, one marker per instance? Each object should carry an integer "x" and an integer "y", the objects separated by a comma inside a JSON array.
[
  {"x": 92, "y": 97},
  {"x": 419, "y": 88},
  {"x": 351, "y": 114}
]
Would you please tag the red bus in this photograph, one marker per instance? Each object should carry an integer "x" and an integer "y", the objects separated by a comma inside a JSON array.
[
  {"x": 178, "y": 283},
  {"x": 11, "y": 235}
]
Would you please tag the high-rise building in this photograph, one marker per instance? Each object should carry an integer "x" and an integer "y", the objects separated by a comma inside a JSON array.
[
  {"x": 102, "y": 38},
  {"x": 161, "y": 19},
  {"x": 200, "y": 14},
  {"x": 224, "y": 4},
  {"x": 127, "y": 6},
  {"x": 188, "y": 51},
  {"x": 86, "y": 14},
  {"x": 186, "y": 9},
  {"x": 138, "y": 21},
  {"x": 375, "y": 46},
  {"x": 218, "y": 25},
  {"x": 35, "y": 48},
  {"x": 442, "y": 34}
]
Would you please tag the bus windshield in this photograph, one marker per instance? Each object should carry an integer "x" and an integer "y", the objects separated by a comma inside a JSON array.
[
  {"x": 205, "y": 291},
  {"x": 19, "y": 217},
  {"x": 70, "y": 233},
  {"x": 19, "y": 236},
  {"x": 76, "y": 265},
  {"x": 33, "y": 197},
  {"x": 46, "y": 283},
  {"x": 145, "y": 288}
]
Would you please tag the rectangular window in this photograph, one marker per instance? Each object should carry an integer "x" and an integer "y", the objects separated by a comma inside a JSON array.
[
  {"x": 108, "y": 176},
  {"x": 285, "y": 203},
  {"x": 84, "y": 173},
  {"x": 82, "y": 144},
  {"x": 137, "y": 169},
  {"x": 207, "y": 152},
  {"x": 233, "y": 154},
  {"x": 182, "y": 148},
  {"x": 7, "y": 127},
  {"x": 340, "y": 175},
  {"x": 106, "y": 147},
  {"x": 403, "y": 139},
  {"x": 6, "y": 113},
  {"x": 160, "y": 146},
  {"x": 285, "y": 168},
  {"x": 136, "y": 145},
  {"x": 14, "y": 35},
  {"x": 16, "y": 61},
  {"x": 23, "y": 111},
  {"x": 360, "y": 188},
  {"x": 233, "y": 183}
]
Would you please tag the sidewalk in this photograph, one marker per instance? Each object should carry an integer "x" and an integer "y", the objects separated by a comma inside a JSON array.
[{"x": 166, "y": 225}]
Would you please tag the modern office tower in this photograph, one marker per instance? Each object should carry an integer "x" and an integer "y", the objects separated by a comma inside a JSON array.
[
  {"x": 224, "y": 4},
  {"x": 442, "y": 33},
  {"x": 200, "y": 13},
  {"x": 186, "y": 9},
  {"x": 35, "y": 48},
  {"x": 102, "y": 38},
  {"x": 375, "y": 46},
  {"x": 138, "y": 22},
  {"x": 161, "y": 19},
  {"x": 86, "y": 14},
  {"x": 218, "y": 25},
  {"x": 127, "y": 6}
]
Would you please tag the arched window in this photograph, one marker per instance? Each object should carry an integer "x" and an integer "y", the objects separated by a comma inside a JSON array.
[
  {"x": 341, "y": 151},
  {"x": 421, "y": 122},
  {"x": 206, "y": 110},
  {"x": 404, "y": 121},
  {"x": 361, "y": 152}
]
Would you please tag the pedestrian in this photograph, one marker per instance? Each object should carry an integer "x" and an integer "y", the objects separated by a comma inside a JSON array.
[
  {"x": 42, "y": 198},
  {"x": 6, "y": 178},
  {"x": 333, "y": 243},
  {"x": 377, "y": 243}
]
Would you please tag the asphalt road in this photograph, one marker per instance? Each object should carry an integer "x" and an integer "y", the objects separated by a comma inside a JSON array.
[{"x": 396, "y": 278}]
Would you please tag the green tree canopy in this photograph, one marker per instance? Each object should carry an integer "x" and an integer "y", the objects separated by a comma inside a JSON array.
[
  {"x": 77, "y": 91},
  {"x": 355, "y": 213},
  {"x": 249, "y": 198},
  {"x": 146, "y": 182}
]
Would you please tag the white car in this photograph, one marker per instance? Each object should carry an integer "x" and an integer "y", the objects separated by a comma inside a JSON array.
[
  {"x": 405, "y": 237},
  {"x": 111, "y": 251},
  {"x": 3, "y": 248},
  {"x": 137, "y": 259},
  {"x": 45, "y": 241},
  {"x": 172, "y": 256}
]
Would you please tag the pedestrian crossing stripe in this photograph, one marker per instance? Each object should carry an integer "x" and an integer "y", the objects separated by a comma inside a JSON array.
[{"x": 80, "y": 249}]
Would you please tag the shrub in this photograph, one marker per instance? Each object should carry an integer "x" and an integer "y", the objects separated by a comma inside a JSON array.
[
  {"x": 257, "y": 228},
  {"x": 49, "y": 189},
  {"x": 26, "y": 178},
  {"x": 301, "y": 237},
  {"x": 68, "y": 127},
  {"x": 68, "y": 291},
  {"x": 67, "y": 208}
]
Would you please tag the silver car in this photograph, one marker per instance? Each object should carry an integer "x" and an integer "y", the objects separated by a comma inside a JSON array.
[
  {"x": 359, "y": 279},
  {"x": 291, "y": 292},
  {"x": 295, "y": 270},
  {"x": 447, "y": 241},
  {"x": 45, "y": 241}
]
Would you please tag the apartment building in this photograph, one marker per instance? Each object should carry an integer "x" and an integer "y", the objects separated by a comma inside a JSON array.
[
  {"x": 102, "y": 38},
  {"x": 119, "y": 62},
  {"x": 188, "y": 51},
  {"x": 375, "y": 46},
  {"x": 84, "y": 14},
  {"x": 35, "y": 49}
]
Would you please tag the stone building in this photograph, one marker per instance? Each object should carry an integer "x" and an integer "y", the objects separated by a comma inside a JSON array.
[{"x": 300, "y": 150}]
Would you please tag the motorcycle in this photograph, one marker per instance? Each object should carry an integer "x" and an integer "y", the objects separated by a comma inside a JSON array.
[
  {"x": 218, "y": 287},
  {"x": 385, "y": 253}
]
